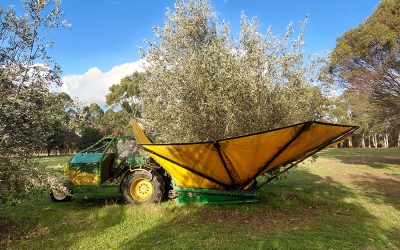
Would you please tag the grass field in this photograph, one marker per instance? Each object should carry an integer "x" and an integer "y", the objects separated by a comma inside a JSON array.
[{"x": 347, "y": 199}]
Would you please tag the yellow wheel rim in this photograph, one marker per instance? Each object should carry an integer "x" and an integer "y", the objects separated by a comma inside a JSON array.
[{"x": 141, "y": 189}]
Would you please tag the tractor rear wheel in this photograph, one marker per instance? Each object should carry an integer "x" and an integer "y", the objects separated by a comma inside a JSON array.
[{"x": 143, "y": 187}]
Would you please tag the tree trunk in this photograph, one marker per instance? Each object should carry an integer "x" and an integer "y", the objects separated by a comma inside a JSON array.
[
  {"x": 398, "y": 141},
  {"x": 350, "y": 140},
  {"x": 375, "y": 140},
  {"x": 386, "y": 139},
  {"x": 362, "y": 141},
  {"x": 369, "y": 141}
]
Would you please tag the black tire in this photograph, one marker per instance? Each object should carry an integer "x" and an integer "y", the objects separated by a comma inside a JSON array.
[
  {"x": 130, "y": 181},
  {"x": 60, "y": 197}
]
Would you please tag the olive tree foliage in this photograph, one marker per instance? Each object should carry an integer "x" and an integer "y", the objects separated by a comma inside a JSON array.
[
  {"x": 26, "y": 73},
  {"x": 203, "y": 84}
]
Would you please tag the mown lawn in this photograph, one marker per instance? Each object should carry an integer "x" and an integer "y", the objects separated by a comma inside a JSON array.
[{"x": 348, "y": 198}]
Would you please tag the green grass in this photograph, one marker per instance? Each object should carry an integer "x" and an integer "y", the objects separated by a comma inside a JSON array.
[{"x": 347, "y": 199}]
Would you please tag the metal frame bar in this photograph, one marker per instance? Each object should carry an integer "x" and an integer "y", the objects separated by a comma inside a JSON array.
[
  {"x": 94, "y": 145},
  {"x": 218, "y": 147},
  {"x": 280, "y": 173},
  {"x": 251, "y": 134}
]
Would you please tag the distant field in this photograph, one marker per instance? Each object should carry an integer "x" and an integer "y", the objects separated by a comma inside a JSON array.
[
  {"x": 54, "y": 161},
  {"x": 348, "y": 198}
]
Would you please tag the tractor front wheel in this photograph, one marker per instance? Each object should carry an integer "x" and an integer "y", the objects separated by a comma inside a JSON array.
[
  {"x": 59, "y": 196},
  {"x": 142, "y": 187}
]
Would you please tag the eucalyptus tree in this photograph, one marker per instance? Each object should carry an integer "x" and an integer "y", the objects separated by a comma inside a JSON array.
[
  {"x": 125, "y": 95},
  {"x": 366, "y": 60},
  {"x": 202, "y": 83}
]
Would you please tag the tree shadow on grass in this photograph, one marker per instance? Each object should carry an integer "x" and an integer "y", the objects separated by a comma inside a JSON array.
[
  {"x": 359, "y": 156},
  {"x": 371, "y": 161},
  {"x": 380, "y": 188},
  {"x": 76, "y": 227},
  {"x": 62, "y": 224},
  {"x": 302, "y": 211}
]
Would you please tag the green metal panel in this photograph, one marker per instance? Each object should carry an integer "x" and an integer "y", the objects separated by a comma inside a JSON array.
[
  {"x": 137, "y": 160},
  {"x": 86, "y": 158},
  {"x": 212, "y": 196}
]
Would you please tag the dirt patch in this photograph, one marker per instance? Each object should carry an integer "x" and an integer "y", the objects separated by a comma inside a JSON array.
[
  {"x": 7, "y": 230},
  {"x": 14, "y": 230}
]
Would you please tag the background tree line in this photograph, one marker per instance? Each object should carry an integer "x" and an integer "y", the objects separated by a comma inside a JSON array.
[{"x": 75, "y": 126}]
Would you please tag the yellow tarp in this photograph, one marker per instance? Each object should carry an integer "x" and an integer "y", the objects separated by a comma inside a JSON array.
[{"x": 237, "y": 161}]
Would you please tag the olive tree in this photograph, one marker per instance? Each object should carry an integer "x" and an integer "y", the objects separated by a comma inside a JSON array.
[
  {"x": 26, "y": 73},
  {"x": 202, "y": 83}
]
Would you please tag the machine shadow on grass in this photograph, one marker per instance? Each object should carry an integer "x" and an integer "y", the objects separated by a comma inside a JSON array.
[
  {"x": 97, "y": 200},
  {"x": 37, "y": 216},
  {"x": 303, "y": 211}
]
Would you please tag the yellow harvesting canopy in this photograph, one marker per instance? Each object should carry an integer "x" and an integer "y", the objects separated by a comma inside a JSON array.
[{"x": 236, "y": 162}]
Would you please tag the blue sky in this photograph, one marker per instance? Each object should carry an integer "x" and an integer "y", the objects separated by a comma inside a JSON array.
[
  {"x": 108, "y": 32},
  {"x": 102, "y": 45}
]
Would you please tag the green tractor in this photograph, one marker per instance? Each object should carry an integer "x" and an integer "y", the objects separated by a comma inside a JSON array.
[
  {"x": 115, "y": 162},
  {"x": 213, "y": 172}
]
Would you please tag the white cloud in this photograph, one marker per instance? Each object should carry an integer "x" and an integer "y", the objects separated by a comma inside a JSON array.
[{"x": 92, "y": 86}]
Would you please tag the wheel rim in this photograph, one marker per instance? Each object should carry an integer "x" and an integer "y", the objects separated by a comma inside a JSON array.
[
  {"x": 59, "y": 195},
  {"x": 141, "y": 189}
]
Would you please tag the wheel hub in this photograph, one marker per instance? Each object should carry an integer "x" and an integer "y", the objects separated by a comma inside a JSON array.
[{"x": 141, "y": 189}]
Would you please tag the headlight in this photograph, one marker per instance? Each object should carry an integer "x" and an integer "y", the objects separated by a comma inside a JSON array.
[{"x": 66, "y": 167}]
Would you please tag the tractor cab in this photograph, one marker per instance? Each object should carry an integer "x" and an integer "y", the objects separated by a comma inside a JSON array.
[{"x": 94, "y": 165}]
